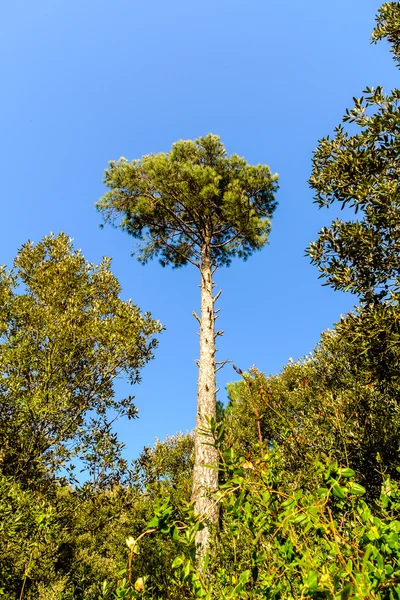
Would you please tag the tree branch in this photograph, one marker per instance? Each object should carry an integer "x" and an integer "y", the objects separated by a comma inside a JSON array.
[
  {"x": 221, "y": 364},
  {"x": 184, "y": 227},
  {"x": 236, "y": 234},
  {"x": 217, "y": 296},
  {"x": 185, "y": 207},
  {"x": 174, "y": 250}
]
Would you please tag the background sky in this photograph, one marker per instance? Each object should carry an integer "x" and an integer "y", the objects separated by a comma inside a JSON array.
[{"x": 87, "y": 81}]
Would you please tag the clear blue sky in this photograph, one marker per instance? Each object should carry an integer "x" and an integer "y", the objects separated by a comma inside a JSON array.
[{"x": 86, "y": 81}]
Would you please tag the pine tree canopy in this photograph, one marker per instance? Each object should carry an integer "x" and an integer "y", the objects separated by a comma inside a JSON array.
[{"x": 194, "y": 196}]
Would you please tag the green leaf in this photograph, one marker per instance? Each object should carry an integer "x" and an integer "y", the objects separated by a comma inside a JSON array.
[
  {"x": 338, "y": 491},
  {"x": 346, "y": 472},
  {"x": 177, "y": 562},
  {"x": 346, "y": 593},
  {"x": 175, "y": 533},
  {"x": 244, "y": 577},
  {"x": 312, "y": 580},
  {"x": 187, "y": 568},
  {"x": 356, "y": 488}
]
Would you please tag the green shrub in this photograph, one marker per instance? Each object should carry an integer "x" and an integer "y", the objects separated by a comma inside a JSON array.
[{"x": 286, "y": 542}]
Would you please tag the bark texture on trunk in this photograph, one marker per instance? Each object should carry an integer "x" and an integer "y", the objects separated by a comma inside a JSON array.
[{"x": 205, "y": 480}]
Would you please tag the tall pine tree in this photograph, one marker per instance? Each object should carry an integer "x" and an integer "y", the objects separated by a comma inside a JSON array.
[{"x": 197, "y": 205}]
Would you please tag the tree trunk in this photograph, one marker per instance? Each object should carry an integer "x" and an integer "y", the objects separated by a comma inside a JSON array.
[{"x": 205, "y": 480}]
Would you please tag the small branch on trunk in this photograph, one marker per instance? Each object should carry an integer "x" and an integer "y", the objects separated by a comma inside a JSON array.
[
  {"x": 221, "y": 364},
  {"x": 217, "y": 296},
  {"x": 196, "y": 316},
  {"x": 196, "y": 360},
  {"x": 218, "y": 333}
]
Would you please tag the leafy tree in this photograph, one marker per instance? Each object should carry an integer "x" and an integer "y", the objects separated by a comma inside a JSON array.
[
  {"x": 194, "y": 204},
  {"x": 388, "y": 26},
  {"x": 65, "y": 334},
  {"x": 66, "y": 541},
  {"x": 328, "y": 403},
  {"x": 359, "y": 169},
  {"x": 166, "y": 468}
]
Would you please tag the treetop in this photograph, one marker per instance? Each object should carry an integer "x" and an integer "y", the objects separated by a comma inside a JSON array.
[{"x": 195, "y": 197}]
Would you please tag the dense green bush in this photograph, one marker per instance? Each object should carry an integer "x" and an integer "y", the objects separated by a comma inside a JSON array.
[
  {"x": 280, "y": 541},
  {"x": 331, "y": 402},
  {"x": 66, "y": 542}
]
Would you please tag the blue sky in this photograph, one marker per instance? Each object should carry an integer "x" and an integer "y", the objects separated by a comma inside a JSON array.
[{"x": 86, "y": 81}]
